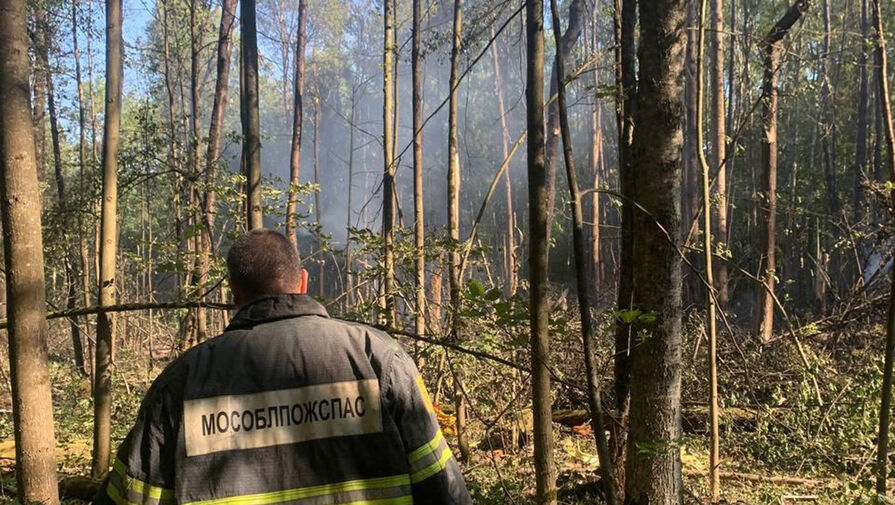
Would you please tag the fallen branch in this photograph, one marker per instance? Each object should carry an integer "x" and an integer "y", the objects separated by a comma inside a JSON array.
[{"x": 785, "y": 480}]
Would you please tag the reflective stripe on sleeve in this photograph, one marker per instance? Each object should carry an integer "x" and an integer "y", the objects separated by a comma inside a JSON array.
[
  {"x": 381, "y": 491},
  {"x": 429, "y": 459},
  {"x": 126, "y": 490}
]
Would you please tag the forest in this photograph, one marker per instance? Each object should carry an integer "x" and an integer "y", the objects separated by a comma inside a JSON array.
[{"x": 640, "y": 250}]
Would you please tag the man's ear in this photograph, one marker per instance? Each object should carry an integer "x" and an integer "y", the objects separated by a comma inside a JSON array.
[{"x": 237, "y": 295}]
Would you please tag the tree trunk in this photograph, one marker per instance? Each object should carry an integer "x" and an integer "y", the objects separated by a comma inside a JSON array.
[
  {"x": 215, "y": 129},
  {"x": 626, "y": 83},
  {"x": 454, "y": 221},
  {"x": 419, "y": 227},
  {"x": 882, "y": 458},
  {"x": 388, "y": 160},
  {"x": 596, "y": 159},
  {"x": 654, "y": 476},
  {"x": 202, "y": 253},
  {"x": 321, "y": 263},
  {"x": 510, "y": 270},
  {"x": 83, "y": 262},
  {"x": 584, "y": 282},
  {"x": 707, "y": 248},
  {"x": 773, "y": 47},
  {"x": 251, "y": 124},
  {"x": 23, "y": 257},
  {"x": 349, "y": 276},
  {"x": 102, "y": 402},
  {"x": 297, "y": 118},
  {"x": 719, "y": 144},
  {"x": 826, "y": 116},
  {"x": 860, "y": 169},
  {"x": 545, "y": 471},
  {"x": 570, "y": 38}
]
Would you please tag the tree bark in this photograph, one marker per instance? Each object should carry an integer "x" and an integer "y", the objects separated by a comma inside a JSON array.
[
  {"x": 773, "y": 48},
  {"x": 454, "y": 221},
  {"x": 215, "y": 130},
  {"x": 102, "y": 402},
  {"x": 510, "y": 269},
  {"x": 251, "y": 124},
  {"x": 419, "y": 226},
  {"x": 83, "y": 262},
  {"x": 707, "y": 248},
  {"x": 196, "y": 159},
  {"x": 545, "y": 472},
  {"x": 654, "y": 476},
  {"x": 24, "y": 263},
  {"x": 570, "y": 38},
  {"x": 882, "y": 458},
  {"x": 860, "y": 169},
  {"x": 388, "y": 160},
  {"x": 298, "y": 87},
  {"x": 626, "y": 83},
  {"x": 584, "y": 282},
  {"x": 719, "y": 145}
]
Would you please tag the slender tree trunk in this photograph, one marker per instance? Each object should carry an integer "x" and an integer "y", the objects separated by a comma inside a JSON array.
[
  {"x": 654, "y": 476},
  {"x": 545, "y": 472},
  {"x": 860, "y": 169},
  {"x": 297, "y": 118},
  {"x": 882, "y": 458},
  {"x": 251, "y": 124},
  {"x": 707, "y": 248},
  {"x": 773, "y": 47},
  {"x": 196, "y": 144},
  {"x": 102, "y": 401},
  {"x": 24, "y": 263},
  {"x": 349, "y": 276},
  {"x": 388, "y": 160},
  {"x": 454, "y": 220},
  {"x": 419, "y": 226},
  {"x": 321, "y": 263},
  {"x": 570, "y": 38},
  {"x": 505, "y": 144},
  {"x": 826, "y": 116},
  {"x": 215, "y": 130},
  {"x": 626, "y": 82},
  {"x": 584, "y": 282},
  {"x": 82, "y": 174},
  {"x": 596, "y": 158},
  {"x": 719, "y": 144}
]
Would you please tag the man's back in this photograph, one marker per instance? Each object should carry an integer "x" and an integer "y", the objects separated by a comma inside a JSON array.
[{"x": 288, "y": 406}]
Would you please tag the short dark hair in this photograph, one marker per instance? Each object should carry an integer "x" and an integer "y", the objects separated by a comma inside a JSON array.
[{"x": 263, "y": 262}]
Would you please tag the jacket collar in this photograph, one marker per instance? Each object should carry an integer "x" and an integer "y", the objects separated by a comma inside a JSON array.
[{"x": 272, "y": 308}]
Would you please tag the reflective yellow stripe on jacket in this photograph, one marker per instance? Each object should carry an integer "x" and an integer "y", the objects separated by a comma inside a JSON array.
[
  {"x": 429, "y": 459},
  {"x": 126, "y": 490},
  {"x": 382, "y": 491}
]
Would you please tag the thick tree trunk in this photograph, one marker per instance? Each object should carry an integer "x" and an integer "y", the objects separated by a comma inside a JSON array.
[
  {"x": 882, "y": 458},
  {"x": 545, "y": 471},
  {"x": 654, "y": 476},
  {"x": 102, "y": 397},
  {"x": 24, "y": 263},
  {"x": 298, "y": 87},
  {"x": 419, "y": 227},
  {"x": 773, "y": 47},
  {"x": 584, "y": 282},
  {"x": 251, "y": 124}
]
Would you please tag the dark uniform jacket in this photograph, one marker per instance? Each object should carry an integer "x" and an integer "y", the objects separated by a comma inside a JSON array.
[{"x": 287, "y": 406}]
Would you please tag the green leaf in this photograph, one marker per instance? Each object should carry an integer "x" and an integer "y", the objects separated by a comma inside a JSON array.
[{"x": 475, "y": 288}]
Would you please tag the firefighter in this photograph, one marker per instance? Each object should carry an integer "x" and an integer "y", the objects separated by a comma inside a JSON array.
[{"x": 286, "y": 406}]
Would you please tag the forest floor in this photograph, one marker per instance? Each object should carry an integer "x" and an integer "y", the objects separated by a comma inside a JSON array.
[{"x": 790, "y": 433}]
